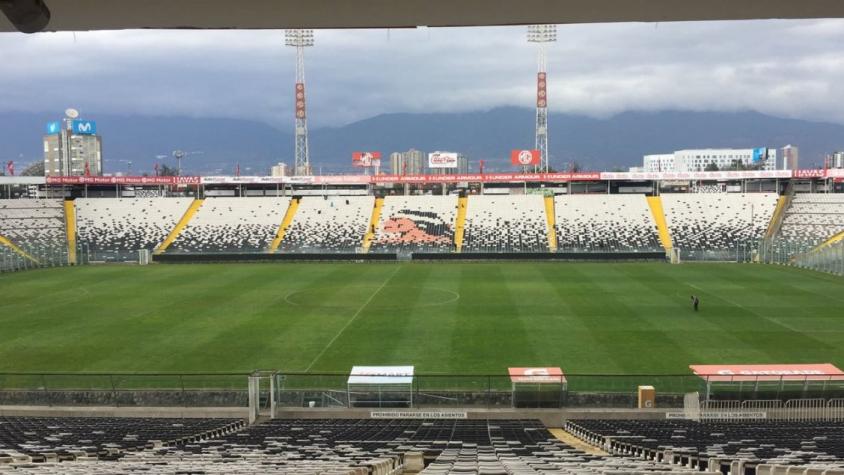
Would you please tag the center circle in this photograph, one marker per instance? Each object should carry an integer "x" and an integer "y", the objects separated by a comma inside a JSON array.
[{"x": 371, "y": 295}]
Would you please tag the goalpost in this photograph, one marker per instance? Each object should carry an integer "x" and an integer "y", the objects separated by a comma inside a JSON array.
[
  {"x": 674, "y": 255},
  {"x": 144, "y": 257}
]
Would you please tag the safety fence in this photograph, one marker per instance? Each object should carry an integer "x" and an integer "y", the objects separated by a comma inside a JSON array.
[
  {"x": 37, "y": 257},
  {"x": 792, "y": 410},
  {"x": 302, "y": 390},
  {"x": 806, "y": 255}
]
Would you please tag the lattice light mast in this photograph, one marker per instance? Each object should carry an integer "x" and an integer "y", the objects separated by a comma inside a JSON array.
[
  {"x": 542, "y": 34},
  {"x": 300, "y": 39}
]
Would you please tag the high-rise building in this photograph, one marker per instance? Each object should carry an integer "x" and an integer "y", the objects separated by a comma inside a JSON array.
[
  {"x": 279, "y": 170},
  {"x": 836, "y": 160},
  {"x": 790, "y": 157},
  {"x": 411, "y": 162},
  {"x": 72, "y": 147}
]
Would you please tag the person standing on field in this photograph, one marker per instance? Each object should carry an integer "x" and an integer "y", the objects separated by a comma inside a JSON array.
[{"x": 695, "y": 302}]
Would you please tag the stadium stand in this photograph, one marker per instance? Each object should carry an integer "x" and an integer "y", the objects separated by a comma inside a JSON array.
[
  {"x": 108, "y": 228},
  {"x": 232, "y": 225},
  {"x": 511, "y": 223},
  {"x": 416, "y": 223},
  {"x": 347, "y": 446},
  {"x": 813, "y": 217},
  {"x": 702, "y": 223},
  {"x": 701, "y": 444},
  {"x": 41, "y": 439},
  {"x": 605, "y": 223},
  {"x": 36, "y": 226},
  {"x": 328, "y": 224}
]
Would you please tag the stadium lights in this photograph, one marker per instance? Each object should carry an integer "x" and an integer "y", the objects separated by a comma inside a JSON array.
[
  {"x": 542, "y": 33},
  {"x": 299, "y": 38}
]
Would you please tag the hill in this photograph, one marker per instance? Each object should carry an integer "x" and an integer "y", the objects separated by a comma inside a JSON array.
[{"x": 618, "y": 141}]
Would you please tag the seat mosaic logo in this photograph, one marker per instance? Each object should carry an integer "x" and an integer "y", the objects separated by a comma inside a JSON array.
[{"x": 84, "y": 127}]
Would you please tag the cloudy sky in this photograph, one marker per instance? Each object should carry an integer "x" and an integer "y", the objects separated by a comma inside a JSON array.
[{"x": 783, "y": 68}]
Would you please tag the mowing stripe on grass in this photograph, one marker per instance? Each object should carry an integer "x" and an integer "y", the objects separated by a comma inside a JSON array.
[{"x": 355, "y": 316}]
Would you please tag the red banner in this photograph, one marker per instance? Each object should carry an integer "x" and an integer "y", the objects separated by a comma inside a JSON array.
[
  {"x": 300, "y": 100},
  {"x": 123, "y": 180},
  {"x": 10, "y": 168},
  {"x": 768, "y": 372},
  {"x": 366, "y": 159},
  {"x": 524, "y": 157},
  {"x": 541, "y": 90}
]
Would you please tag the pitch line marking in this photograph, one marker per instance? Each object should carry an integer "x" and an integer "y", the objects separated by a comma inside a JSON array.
[{"x": 354, "y": 317}]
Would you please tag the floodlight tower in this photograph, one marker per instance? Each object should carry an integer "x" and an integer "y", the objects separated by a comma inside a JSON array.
[
  {"x": 300, "y": 39},
  {"x": 542, "y": 34}
]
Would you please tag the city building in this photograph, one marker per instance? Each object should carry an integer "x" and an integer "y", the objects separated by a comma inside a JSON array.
[
  {"x": 836, "y": 160},
  {"x": 659, "y": 163},
  {"x": 790, "y": 158},
  {"x": 411, "y": 162},
  {"x": 279, "y": 170},
  {"x": 703, "y": 159},
  {"x": 72, "y": 147}
]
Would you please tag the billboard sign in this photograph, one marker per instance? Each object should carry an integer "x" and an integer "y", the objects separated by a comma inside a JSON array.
[
  {"x": 54, "y": 127},
  {"x": 442, "y": 160},
  {"x": 760, "y": 155},
  {"x": 524, "y": 157},
  {"x": 366, "y": 159},
  {"x": 84, "y": 127}
]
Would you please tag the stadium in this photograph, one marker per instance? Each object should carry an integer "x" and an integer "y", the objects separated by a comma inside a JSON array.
[{"x": 451, "y": 323}]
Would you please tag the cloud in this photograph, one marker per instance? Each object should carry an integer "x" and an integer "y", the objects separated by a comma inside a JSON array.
[{"x": 783, "y": 68}]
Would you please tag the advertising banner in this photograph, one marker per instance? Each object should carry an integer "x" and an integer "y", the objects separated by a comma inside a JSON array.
[
  {"x": 524, "y": 157},
  {"x": 541, "y": 90},
  {"x": 725, "y": 175},
  {"x": 442, "y": 160},
  {"x": 536, "y": 375},
  {"x": 366, "y": 159},
  {"x": 84, "y": 127},
  {"x": 54, "y": 127},
  {"x": 300, "y": 100},
  {"x": 760, "y": 154},
  {"x": 768, "y": 372},
  {"x": 123, "y": 180},
  {"x": 817, "y": 173}
]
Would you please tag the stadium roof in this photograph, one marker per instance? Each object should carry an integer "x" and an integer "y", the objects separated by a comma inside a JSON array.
[{"x": 80, "y": 15}]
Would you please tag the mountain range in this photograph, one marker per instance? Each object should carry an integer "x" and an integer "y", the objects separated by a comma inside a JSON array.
[{"x": 595, "y": 143}]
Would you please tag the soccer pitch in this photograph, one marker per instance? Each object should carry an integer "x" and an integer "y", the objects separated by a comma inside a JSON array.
[{"x": 474, "y": 318}]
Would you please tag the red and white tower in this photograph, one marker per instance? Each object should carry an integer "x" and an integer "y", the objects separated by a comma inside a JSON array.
[
  {"x": 300, "y": 39},
  {"x": 542, "y": 34}
]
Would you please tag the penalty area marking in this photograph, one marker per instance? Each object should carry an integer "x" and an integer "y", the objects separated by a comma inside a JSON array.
[{"x": 354, "y": 317}]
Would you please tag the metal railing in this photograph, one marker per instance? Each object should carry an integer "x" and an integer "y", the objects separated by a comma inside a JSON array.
[
  {"x": 298, "y": 390},
  {"x": 805, "y": 255}
]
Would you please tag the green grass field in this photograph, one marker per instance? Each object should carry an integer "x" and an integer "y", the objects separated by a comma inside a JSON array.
[{"x": 622, "y": 318}]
